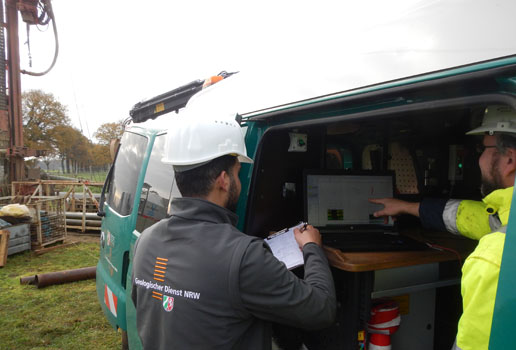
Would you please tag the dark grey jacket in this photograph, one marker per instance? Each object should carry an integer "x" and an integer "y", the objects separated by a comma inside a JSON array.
[{"x": 199, "y": 283}]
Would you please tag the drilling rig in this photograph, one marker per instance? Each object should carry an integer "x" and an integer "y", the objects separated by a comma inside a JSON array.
[{"x": 12, "y": 148}]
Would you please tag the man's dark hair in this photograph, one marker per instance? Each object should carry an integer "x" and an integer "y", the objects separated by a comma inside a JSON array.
[
  {"x": 197, "y": 182},
  {"x": 504, "y": 141}
]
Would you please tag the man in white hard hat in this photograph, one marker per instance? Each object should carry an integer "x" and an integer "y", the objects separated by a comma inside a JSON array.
[
  {"x": 198, "y": 282},
  {"x": 485, "y": 221}
]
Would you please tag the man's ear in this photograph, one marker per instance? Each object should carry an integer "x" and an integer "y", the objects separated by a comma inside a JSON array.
[
  {"x": 509, "y": 165},
  {"x": 222, "y": 181}
]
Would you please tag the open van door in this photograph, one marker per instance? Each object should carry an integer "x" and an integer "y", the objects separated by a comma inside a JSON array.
[{"x": 505, "y": 305}]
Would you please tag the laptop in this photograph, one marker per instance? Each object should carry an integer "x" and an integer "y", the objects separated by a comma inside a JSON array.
[{"x": 336, "y": 203}]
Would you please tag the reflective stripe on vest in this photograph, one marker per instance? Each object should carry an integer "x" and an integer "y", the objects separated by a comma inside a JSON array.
[
  {"x": 495, "y": 223},
  {"x": 455, "y": 347},
  {"x": 450, "y": 215}
]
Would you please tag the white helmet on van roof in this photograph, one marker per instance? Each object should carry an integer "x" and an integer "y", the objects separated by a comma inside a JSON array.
[
  {"x": 497, "y": 118},
  {"x": 193, "y": 141}
]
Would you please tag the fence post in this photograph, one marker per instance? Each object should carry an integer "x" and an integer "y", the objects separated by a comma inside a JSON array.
[
  {"x": 73, "y": 198},
  {"x": 4, "y": 244},
  {"x": 38, "y": 223},
  {"x": 83, "y": 207},
  {"x": 63, "y": 212}
]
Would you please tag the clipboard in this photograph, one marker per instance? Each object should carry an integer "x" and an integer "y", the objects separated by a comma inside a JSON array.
[{"x": 285, "y": 248}]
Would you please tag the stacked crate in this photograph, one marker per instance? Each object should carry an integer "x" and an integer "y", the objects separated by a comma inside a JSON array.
[
  {"x": 19, "y": 238},
  {"x": 47, "y": 221}
]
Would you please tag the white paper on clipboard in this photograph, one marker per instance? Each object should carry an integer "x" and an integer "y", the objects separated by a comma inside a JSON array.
[{"x": 285, "y": 248}]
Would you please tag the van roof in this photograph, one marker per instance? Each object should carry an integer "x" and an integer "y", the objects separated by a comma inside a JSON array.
[{"x": 241, "y": 95}]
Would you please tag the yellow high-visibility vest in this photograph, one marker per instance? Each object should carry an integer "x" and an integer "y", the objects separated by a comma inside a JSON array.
[{"x": 482, "y": 268}]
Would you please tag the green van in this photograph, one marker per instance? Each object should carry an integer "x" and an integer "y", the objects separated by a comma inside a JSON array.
[{"x": 403, "y": 112}]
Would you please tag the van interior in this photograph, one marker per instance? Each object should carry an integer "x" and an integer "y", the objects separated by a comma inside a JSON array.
[
  {"x": 430, "y": 155},
  {"x": 428, "y": 151}
]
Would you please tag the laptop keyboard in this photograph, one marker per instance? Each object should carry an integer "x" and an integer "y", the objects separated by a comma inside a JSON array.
[{"x": 371, "y": 242}]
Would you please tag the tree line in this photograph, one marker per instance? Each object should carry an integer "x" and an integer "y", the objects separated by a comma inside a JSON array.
[{"x": 47, "y": 126}]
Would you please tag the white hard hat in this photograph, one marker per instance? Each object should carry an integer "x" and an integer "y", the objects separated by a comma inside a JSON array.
[
  {"x": 498, "y": 118},
  {"x": 193, "y": 141}
]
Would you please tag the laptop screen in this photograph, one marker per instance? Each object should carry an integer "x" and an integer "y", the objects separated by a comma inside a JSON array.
[{"x": 340, "y": 200}]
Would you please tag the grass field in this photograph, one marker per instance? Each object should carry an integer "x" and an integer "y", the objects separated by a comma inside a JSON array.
[
  {"x": 94, "y": 176},
  {"x": 97, "y": 177},
  {"x": 66, "y": 316}
]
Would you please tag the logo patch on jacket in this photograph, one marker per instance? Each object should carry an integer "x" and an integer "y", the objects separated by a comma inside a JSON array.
[{"x": 168, "y": 303}]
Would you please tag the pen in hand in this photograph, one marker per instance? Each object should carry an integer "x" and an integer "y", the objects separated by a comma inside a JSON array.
[{"x": 307, "y": 234}]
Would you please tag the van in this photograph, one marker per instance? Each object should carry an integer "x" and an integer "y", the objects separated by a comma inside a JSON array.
[{"x": 402, "y": 112}]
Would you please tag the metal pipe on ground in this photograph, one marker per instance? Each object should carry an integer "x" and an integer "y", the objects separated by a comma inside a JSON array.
[
  {"x": 63, "y": 178},
  {"x": 51, "y": 278},
  {"x": 74, "y": 222},
  {"x": 27, "y": 280},
  {"x": 78, "y": 215}
]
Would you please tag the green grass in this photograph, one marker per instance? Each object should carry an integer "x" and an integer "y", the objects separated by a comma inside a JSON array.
[
  {"x": 94, "y": 176},
  {"x": 66, "y": 316}
]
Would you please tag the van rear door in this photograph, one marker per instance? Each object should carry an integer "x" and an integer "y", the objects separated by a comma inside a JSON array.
[{"x": 505, "y": 305}]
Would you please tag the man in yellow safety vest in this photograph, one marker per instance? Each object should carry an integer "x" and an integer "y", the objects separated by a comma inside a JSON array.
[{"x": 485, "y": 221}]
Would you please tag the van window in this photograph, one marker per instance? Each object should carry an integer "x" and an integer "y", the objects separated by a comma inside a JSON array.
[
  {"x": 158, "y": 188},
  {"x": 126, "y": 171}
]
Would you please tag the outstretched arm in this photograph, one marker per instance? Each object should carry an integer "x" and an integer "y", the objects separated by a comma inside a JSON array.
[{"x": 394, "y": 207}]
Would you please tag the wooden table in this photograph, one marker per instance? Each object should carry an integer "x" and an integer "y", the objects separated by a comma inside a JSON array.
[
  {"x": 354, "y": 276},
  {"x": 371, "y": 261}
]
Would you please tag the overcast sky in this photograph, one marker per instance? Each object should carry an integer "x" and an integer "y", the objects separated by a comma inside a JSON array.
[{"x": 113, "y": 54}]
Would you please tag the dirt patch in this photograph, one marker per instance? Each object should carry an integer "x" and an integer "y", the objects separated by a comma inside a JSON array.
[{"x": 72, "y": 238}]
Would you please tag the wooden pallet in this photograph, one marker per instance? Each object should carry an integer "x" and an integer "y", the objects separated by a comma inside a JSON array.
[
  {"x": 41, "y": 245},
  {"x": 83, "y": 229},
  {"x": 4, "y": 244}
]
